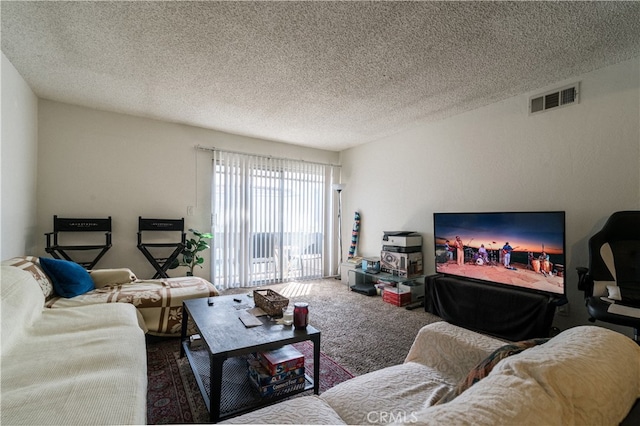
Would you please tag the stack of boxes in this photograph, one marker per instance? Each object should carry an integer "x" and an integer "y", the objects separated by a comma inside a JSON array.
[
  {"x": 402, "y": 256},
  {"x": 277, "y": 372},
  {"x": 396, "y": 296}
]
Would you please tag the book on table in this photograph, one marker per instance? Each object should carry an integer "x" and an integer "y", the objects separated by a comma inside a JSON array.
[
  {"x": 280, "y": 388},
  {"x": 277, "y": 372},
  {"x": 281, "y": 360}
]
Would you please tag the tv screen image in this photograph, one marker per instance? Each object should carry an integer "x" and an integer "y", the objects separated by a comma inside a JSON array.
[{"x": 520, "y": 249}]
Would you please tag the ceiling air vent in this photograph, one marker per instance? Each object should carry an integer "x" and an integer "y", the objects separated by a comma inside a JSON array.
[{"x": 556, "y": 98}]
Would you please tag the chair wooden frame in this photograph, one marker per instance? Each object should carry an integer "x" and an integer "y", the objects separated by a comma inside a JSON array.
[
  {"x": 78, "y": 225},
  {"x": 161, "y": 264}
]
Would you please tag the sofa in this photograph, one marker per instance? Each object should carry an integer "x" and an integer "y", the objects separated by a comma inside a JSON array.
[
  {"x": 159, "y": 302},
  {"x": 453, "y": 376},
  {"x": 79, "y": 365}
]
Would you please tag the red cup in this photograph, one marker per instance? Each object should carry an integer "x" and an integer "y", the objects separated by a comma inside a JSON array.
[{"x": 300, "y": 315}]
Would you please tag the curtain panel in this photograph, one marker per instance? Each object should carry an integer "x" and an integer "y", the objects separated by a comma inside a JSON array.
[{"x": 272, "y": 220}]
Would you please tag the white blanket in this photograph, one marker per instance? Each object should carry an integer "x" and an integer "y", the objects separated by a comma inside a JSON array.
[
  {"x": 585, "y": 375},
  {"x": 159, "y": 301},
  {"x": 82, "y": 365}
]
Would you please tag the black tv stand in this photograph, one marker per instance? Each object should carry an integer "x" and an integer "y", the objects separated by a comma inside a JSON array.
[{"x": 506, "y": 313}]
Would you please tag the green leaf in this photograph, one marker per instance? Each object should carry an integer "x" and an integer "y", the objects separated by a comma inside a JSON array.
[{"x": 192, "y": 247}]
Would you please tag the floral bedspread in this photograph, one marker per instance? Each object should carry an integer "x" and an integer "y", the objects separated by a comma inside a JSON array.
[{"x": 158, "y": 301}]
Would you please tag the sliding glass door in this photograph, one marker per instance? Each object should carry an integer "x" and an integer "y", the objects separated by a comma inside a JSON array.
[{"x": 268, "y": 219}]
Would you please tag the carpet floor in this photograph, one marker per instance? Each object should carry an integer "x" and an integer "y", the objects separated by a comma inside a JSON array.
[
  {"x": 359, "y": 334},
  {"x": 173, "y": 395}
]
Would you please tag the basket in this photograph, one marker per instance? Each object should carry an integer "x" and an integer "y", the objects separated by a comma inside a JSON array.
[{"x": 270, "y": 302}]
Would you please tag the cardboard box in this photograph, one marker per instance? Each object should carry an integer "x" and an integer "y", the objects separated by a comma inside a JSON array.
[
  {"x": 281, "y": 388},
  {"x": 281, "y": 360},
  {"x": 401, "y": 264},
  {"x": 415, "y": 288},
  {"x": 262, "y": 377},
  {"x": 382, "y": 284},
  {"x": 195, "y": 341},
  {"x": 396, "y": 297}
]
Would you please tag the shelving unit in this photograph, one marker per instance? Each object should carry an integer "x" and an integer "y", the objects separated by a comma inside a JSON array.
[
  {"x": 364, "y": 282},
  {"x": 219, "y": 365},
  {"x": 238, "y": 394}
]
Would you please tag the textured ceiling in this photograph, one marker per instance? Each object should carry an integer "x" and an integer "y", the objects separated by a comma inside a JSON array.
[{"x": 330, "y": 75}]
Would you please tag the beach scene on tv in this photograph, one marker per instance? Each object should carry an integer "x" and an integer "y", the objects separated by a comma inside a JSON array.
[{"x": 519, "y": 249}]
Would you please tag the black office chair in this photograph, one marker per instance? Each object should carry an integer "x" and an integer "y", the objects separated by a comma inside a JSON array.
[
  {"x": 78, "y": 226},
  {"x": 162, "y": 259},
  {"x": 614, "y": 272}
]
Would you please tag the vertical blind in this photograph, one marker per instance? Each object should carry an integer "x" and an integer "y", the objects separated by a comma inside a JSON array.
[{"x": 271, "y": 220}]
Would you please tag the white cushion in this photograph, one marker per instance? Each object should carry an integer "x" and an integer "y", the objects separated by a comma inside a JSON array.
[
  {"x": 593, "y": 372},
  {"x": 84, "y": 365},
  {"x": 309, "y": 410},
  {"x": 494, "y": 400},
  {"x": 376, "y": 397},
  {"x": 22, "y": 304},
  {"x": 614, "y": 292},
  {"x": 103, "y": 277},
  {"x": 585, "y": 375},
  {"x": 600, "y": 287},
  {"x": 450, "y": 349}
]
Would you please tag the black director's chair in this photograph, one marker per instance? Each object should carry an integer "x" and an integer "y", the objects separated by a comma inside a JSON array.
[
  {"x": 161, "y": 263},
  {"x": 77, "y": 226}
]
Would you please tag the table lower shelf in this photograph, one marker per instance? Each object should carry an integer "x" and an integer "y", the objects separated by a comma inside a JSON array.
[
  {"x": 366, "y": 289},
  {"x": 238, "y": 395}
]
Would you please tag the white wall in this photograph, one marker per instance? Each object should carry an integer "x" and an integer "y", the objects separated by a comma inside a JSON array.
[
  {"x": 583, "y": 159},
  {"x": 97, "y": 164},
  {"x": 19, "y": 164}
]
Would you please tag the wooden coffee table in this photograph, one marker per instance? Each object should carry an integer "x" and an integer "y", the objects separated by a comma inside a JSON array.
[{"x": 219, "y": 365}]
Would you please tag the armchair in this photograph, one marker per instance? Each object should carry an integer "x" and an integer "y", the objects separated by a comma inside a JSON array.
[{"x": 611, "y": 284}]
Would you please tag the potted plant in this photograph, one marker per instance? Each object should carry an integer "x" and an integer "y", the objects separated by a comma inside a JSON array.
[{"x": 191, "y": 251}]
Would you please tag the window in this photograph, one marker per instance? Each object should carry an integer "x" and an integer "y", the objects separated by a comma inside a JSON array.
[{"x": 269, "y": 219}]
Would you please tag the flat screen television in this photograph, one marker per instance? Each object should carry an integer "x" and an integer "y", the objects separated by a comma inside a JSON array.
[{"x": 525, "y": 250}]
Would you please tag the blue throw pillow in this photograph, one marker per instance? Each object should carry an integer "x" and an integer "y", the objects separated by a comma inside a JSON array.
[{"x": 69, "y": 278}]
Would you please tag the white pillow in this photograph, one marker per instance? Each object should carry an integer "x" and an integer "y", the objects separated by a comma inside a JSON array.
[
  {"x": 104, "y": 277},
  {"x": 577, "y": 368},
  {"x": 600, "y": 287},
  {"x": 614, "y": 292}
]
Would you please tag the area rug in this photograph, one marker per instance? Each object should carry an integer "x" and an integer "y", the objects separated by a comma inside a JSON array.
[{"x": 173, "y": 395}]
